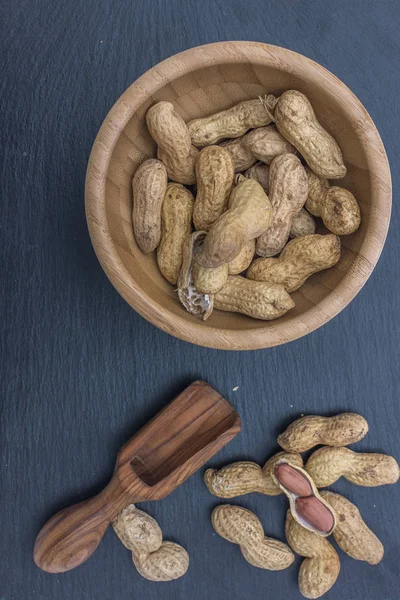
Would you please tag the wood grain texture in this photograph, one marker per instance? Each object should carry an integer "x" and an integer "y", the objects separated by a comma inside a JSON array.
[
  {"x": 228, "y": 73},
  {"x": 81, "y": 371},
  {"x": 162, "y": 455}
]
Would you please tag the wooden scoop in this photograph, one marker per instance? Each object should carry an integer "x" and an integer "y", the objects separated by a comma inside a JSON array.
[{"x": 165, "y": 452}]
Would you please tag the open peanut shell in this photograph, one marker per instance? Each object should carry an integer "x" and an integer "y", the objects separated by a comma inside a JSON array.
[
  {"x": 198, "y": 304},
  {"x": 308, "y": 508}
]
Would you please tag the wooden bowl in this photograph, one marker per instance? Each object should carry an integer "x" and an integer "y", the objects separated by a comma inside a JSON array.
[{"x": 199, "y": 82}]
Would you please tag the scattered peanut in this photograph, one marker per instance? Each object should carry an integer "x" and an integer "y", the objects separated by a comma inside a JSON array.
[
  {"x": 253, "y": 298},
  {"x": 306, "y": 505},
  {"x": 245, "y": 477},
  {"x": 260, "y": 173},
  {"x": 214, "y": 173},
  {"x": 288, "y": 194},
  {"x": 177, "y": 212},
  {"x": 321, "y": 567},
  {"x": 237, "y": 479},
  {"x": 231, "y": 123},
  {"x": 149, "y": 186},
  {"x": 307, "y": 432},
  {"x": 296, "y": 121},
  {"x": 243, "y": 259},
  {"x": 241, "y": 156},
  {"x": 302, "y": 224},
  {"x": 351, "y": 533},
  {"x": 154, "y": 559},
  {"x": 249, "y": 214},
  {"x": 240, "y": 526},
  {"x": 266, "y": 142},
  {"x": 209, "y": 281},
  {"x": 299, "y": 259},
  {"x": 170, "y": 132},
  {"x": 327, "y": 465},
  {"x": 198, "y": 304}
]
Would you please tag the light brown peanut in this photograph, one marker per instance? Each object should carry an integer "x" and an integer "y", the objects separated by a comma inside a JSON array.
[
  {"x": 172, "y": 136},
  {"x": 243, "y": 259},
  {"x": 340, "y": 211},
  {"x": 303, "y": 224},
  {"x": 241, "y": 156},
  {"x": 177, "y": 213},
  {"x": 266, "y": 142},
  {"x": 240, "y": 526},
  {"x": 337, "y": 207},
  {"x": 230, "y": 123},
  {"x": 260, "y": 173},
  {"x": 321, "y": 567},
  {"x": 214, "y": 177},
  {"x": 351, "y": 533},
  {"x": 307, "y": 432},
  {"x": 236, "y": 479},
  {"x": 253, "y": 298},
  {"x": 328, "y": 464},
  {"x": 300, "y": 258},
  {"x": 246, "y": 477},
  {"x": 198, "y": 304},
  {"x": 209, "y": 281},
  {"x": 249, "y": 214},
  {"x": 154, "y": 559},
  {"x": 306, "y": 504},
  {"x": 288, "y": 190},
  {"x": 317, "y": 188},
  {"x": 296, "y": 121},
  {"x": 149, "y": 185}
]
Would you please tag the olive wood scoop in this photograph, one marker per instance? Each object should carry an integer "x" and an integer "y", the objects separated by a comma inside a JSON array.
[{"x": 163, "y": 454}]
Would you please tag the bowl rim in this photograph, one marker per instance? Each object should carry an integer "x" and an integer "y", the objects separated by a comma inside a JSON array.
[{"x": 95, "y": 202}]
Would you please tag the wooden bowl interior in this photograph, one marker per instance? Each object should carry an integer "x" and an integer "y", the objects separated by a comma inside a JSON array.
[
  {"x": 199, "y": 94},
  {"x": 199, "y": 82}
]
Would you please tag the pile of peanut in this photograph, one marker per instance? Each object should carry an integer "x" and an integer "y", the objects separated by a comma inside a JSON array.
[
  {"x": 312, "y": 515},
  {"x": 257, "y": 175}
]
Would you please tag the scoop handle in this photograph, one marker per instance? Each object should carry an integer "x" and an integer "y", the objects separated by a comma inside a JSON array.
[{"x": 72, "y": 535}]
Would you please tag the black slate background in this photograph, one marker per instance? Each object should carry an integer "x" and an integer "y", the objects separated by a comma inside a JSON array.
[{"x": 80, "y": 371}]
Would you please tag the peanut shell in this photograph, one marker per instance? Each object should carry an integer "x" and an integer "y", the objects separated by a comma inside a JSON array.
[
  {"x": 296, "y": 121},
  {"x": 149, "y": 185},
  {"x": 253, "y": 298},
  {"x": 265, "y": 143},
  {"x": 321, "y": 567},
  {"x": 352, "y": 534},
  {"x": 249, "y": 214},
  {"x": 260, "y": 173},
  {"x": 288, "y": 185},
  {"x": 214, "y": 175},
  {"x": 302, "y": 224},
  {"x": 328, "y": 464},
  {"x": 198, "y": 304},
  {"x": 240, "y": 526},
  {"x": 300, "y": 258},
  {"x": 230, "y": 123},
  {"x": 307, "y": 432},
  {"x": 177, "y": 213},
  {"x": 241, "y": 156}
]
